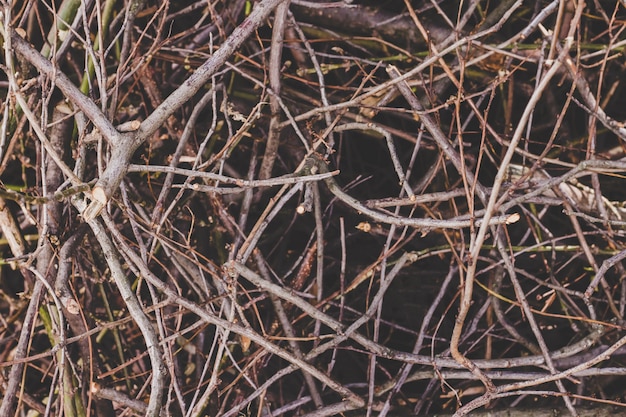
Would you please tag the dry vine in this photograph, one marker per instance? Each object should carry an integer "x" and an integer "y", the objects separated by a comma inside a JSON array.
[{"x": 311, "y": 208}]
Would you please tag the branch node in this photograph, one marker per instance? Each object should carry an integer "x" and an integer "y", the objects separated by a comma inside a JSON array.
[{"x": 94, "y": 209}]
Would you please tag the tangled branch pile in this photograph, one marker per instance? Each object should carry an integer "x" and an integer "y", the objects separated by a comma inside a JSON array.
[{"x": 311, "y": 208}]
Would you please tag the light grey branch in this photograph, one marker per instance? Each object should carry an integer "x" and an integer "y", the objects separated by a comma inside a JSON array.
[
  {"x": 421, "y": 223},
  {"x": 120, "y": 156},
  {"x": 159, "y": 371},
  {"x": 82, "y": 102},
  {"x": 210, "y": 176}
]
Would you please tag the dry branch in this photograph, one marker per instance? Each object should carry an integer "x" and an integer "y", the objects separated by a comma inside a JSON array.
[{"x": 311, "y": 208}]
